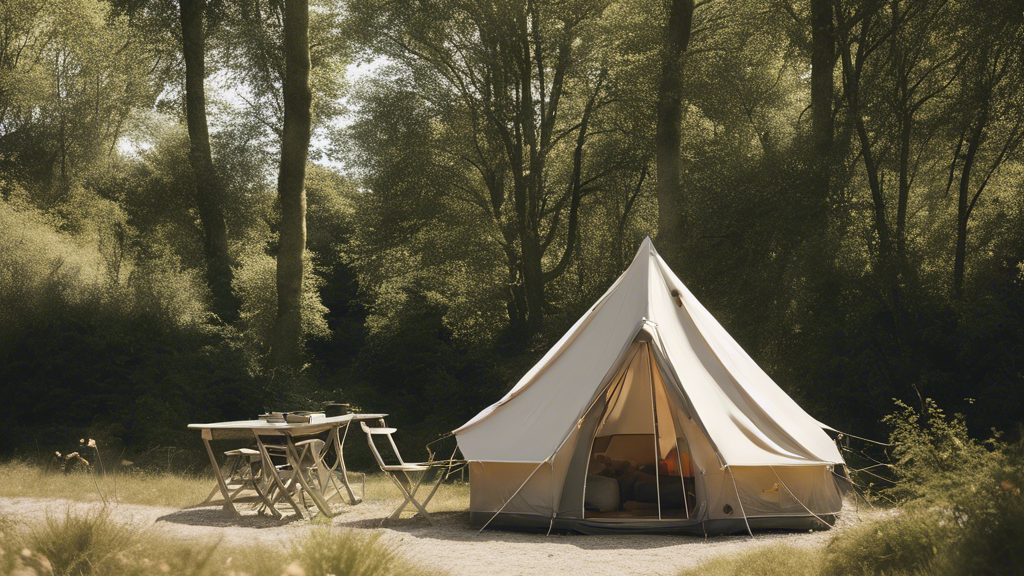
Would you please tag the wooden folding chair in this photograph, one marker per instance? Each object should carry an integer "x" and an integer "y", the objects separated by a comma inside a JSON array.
[
  {"x": 241, "y": 471},
  {"x": 308, "y": 475},
  {"x": 400, "y": 473}
]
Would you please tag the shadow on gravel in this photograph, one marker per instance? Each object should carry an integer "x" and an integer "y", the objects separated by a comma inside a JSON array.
[
  {"x": 455, "y": 527},
  {"x": 219, "y": 518}
]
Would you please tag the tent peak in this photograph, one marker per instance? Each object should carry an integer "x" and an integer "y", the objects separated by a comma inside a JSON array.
[{"x": 645, "y": 250}]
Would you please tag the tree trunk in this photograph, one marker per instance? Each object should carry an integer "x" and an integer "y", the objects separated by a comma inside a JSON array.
[
  {"x": 903, "y": 197},
  {"x": 823, "y": 45},
  {"x": 963, "y": 212},
  {"x": 533, "y": 282},
  {"x": 667, "y": 140},
  {"x": 206, "y": 184},
  {"x": 287, "y": 334}
]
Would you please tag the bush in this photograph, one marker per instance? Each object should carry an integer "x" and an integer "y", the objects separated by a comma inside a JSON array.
[
  {"x": 991, "y": 518},
  {"x": 127, "y": 358},
  {"x": 975, "y": 484},
  {"x": 935, "y": 458},
  {"x": 909, "y": 542}
]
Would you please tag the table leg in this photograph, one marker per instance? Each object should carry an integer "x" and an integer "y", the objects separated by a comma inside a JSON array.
[
  {"x": 276, "y": 478},
  {"x": 338, "y": 446},
  {"x": 327, "y": 476},
  {"x": 228, "y": 505}
]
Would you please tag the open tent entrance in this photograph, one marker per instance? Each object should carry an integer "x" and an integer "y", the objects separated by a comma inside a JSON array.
[{"x": 639, "y": 462}]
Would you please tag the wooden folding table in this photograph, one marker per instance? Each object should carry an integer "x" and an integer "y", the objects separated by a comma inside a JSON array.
[{"x": 247, "y": 429}]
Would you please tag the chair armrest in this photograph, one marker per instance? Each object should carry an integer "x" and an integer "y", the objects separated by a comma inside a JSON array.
[{"x": 370, "y": 430}]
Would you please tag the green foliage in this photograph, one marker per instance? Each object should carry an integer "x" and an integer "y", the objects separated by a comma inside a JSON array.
[
  {"x": 70, "y": 79},
  {"x": 975, "y": 484},
  {"x": 961, "y": 502},
  {"x": 255, "y": 284},
  {"x": 330, "y": 216},
  {"x": 934, "y": 456},
  {"x": 83, "y": 348},
  {"x": 249, "y": 49},
  {"x": 415, "y": 370},
  {"x": 991, "y": 515}
]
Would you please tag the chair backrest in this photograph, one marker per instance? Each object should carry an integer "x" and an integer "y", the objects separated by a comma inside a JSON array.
[
  {"x": 370, "y": 433},
  {"x": 311, "y": 451}
]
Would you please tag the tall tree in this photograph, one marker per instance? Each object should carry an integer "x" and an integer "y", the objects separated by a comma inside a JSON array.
[
  {"x": 208, "y": 187},
  {"x": 513, "y": 91},
  {"x": 668, "y": 138},
  {"x": 987, "y": 115},
  {"x": 896, "y": 62},
  {"x": 298, "y": 99},
  {"x": 823, "y": 48}
]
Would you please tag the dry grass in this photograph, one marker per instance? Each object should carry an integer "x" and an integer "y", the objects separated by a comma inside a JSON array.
[
  {"x": 22, "y": 480},
  {"x": 19, "y": 479},
  {"x": 764, "y": 561},
  {"x": 77, "y": 544},
  {"x": 450, "y": 497}
]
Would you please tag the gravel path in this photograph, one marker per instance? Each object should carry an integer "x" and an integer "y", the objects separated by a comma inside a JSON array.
[{"x": 449, "y": 544}]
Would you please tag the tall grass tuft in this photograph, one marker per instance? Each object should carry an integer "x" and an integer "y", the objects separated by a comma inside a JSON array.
[
  {"x": 764, "y": 561},
  {"x": 91, "y": 544},
  {"x": 915, "y": 541},
  {"x": 328, "y": 551},
  {"x": 80, "y": 544}
]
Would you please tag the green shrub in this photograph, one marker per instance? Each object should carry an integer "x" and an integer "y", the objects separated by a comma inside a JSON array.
[
  {"x": 97, "y": 345},
  {"x": 991, "y": 518},
  {"x": 910, "y": 542},
  {"x": 962, "y": 507},
  {"x": 934, "y": 457}
]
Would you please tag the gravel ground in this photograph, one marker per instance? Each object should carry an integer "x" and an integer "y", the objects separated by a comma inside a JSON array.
[{"x": 450, "y": 544}]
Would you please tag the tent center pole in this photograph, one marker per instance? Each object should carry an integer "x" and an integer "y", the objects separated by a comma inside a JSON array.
[{"x": 657, "y": 436}]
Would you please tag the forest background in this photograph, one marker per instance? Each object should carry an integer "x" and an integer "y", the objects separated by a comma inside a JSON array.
[{"x": 840, "y": 182}]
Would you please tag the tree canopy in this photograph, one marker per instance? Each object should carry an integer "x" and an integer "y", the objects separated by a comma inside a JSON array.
[{"x": 841, "y": 182}]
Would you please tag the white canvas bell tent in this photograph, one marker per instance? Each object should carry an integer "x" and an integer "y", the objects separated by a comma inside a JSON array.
[{"x": 648, "y": 416}]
